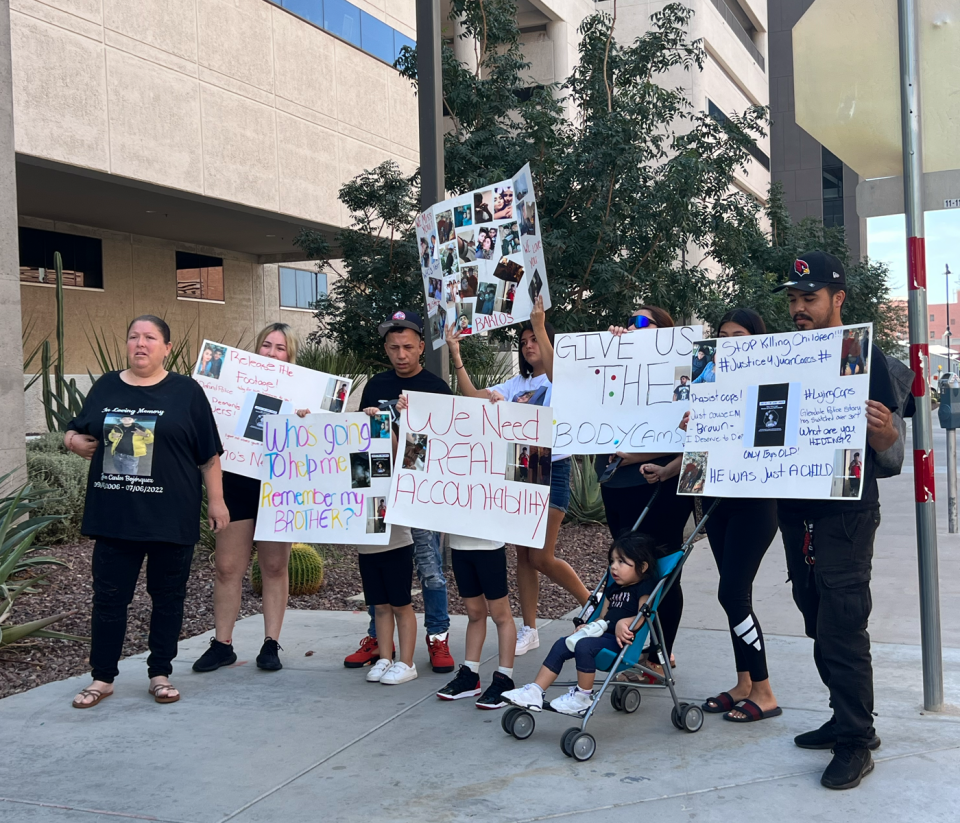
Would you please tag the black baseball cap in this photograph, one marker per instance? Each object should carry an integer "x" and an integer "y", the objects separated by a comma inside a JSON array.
[
  {"x": 402, "y": 320},
  {"x": 814, "y": 270}
]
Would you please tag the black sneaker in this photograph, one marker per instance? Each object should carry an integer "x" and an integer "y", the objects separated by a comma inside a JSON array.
[
  {"x": 826, "y": 738},
  {"x": 491, "y": 698},
  {"x": 268, "y": 659},
  {"x": 219, "y": 654},
  {"x": 465, "y": 684},
  {"x": 849, "y": 766}
]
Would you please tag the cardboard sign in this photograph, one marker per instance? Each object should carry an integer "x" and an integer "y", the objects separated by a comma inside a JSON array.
[
  {"x": 243, "y": 388},
  {"x": 779, "y": 415},
  {"x": 481, "y": 255},
  {"x": 625, "y": 393},
  {"x": 325, "y": 478},
  {"x": 474, "y": 468}
]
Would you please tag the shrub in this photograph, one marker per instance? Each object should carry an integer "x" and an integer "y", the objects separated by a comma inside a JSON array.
[
  {"x": 586, "y": 502},
  {"x": 306, "y": 571},
  {"x": 50, "y": 466}
]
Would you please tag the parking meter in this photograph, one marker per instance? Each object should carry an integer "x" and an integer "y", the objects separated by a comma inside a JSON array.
[{"x": 949, "y": 402}]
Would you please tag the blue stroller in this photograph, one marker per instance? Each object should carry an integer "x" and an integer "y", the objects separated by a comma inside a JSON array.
[{"x": 576, "y": 742}]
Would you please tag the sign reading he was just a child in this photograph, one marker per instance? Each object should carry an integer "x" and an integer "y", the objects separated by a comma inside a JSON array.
[
  {"x": 785, "y": 416},
  {"x": 625, "y": 393},
  {"x": 325, "y": 478},
  {"x": 243, "y": 388},
  {"x": 474, "y": 468},
  {"x": 481, "y": 256}
]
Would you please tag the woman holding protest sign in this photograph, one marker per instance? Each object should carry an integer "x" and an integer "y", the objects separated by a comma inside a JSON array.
[
  {"x": 235, "y": 545},
  {"x": 629, "y": 482},
  {"x": 740, "y": 531},
  {"x": 147, "y": 506},
  {"x": 534, "y": 385}
]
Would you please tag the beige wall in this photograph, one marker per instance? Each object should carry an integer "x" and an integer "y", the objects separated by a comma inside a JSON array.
[{"x": 234, "y": 99}]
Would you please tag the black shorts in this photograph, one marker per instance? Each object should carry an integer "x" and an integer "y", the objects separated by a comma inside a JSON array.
[
  {"x": 481, "y": 572},
  {"x": 388, "y": 577},
  {"x": 242, "y": 496}
]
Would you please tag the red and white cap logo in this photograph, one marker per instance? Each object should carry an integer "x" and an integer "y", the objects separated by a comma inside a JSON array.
[
  {"x": 801, "y": 267},
  {"x": 399, "y": 316}
]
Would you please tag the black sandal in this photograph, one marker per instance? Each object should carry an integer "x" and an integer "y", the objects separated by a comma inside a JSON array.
[
  {"x": 752, "y": 711},
  {"x": 723, "y": 702}
]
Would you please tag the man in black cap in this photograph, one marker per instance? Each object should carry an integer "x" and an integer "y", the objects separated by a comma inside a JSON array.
[
  {"x": 402, "y": 335},
  {"x": 829, "y": 548}
]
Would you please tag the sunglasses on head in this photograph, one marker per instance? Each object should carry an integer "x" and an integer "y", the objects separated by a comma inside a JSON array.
[{"x": 639, "y": 321}]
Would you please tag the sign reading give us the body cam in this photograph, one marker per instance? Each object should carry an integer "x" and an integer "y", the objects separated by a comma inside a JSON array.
[{"x": 626, "y": 393}]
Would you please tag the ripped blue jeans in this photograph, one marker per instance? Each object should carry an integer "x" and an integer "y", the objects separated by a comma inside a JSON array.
[{"x": 429, "y": 564}]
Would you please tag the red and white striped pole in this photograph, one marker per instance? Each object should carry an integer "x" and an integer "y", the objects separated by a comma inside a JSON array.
[{"x": 919, "y": 356}]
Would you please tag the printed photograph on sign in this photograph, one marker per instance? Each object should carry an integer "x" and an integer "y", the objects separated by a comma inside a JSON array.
[
  {"x": 211, "y": 361},
  {"x": 360, "y": 470},
  {"x": 847, "y": 473},
  {"x": 521, "y": 186},
  {"x": 380, "y": 426},
  {"x": 128, "y": 444},
  {"x": 509, "y": 239},
  {"x": 256, "y": 407},
  {"x": 536, "y": 283},
  {"x": 435, "y": 288},
  {"x": 424, "y": 253},
  {"x": 528, "y": 218},
  {"x": 509, "y": 270},
  {"x": 528, "y": 464},
  {"x": 771, "y": 417},
  {"x": 376, "y": 511},
  {"x": 464, "y": 318},
  {"x": 335, "y": 396},
  {"x": 855, "y": 351},
  {"x": 487, "y": 296},
  {"x": 434, "y": 247},
  {"x": 502, "y": 203},
  {"x": 451, "y": 290},
  {"x": 486, "y": 243},
  {"x": 438, "y": 322},
  {"x": 483, "y": 207},
  {"x": 466, "y": 246},
  {"x": 449, "y": 262},
  {"x": 504, "y": 303},
  {"x": 703, "y": 367},
  {"x": 693, "y": 473},
  {"x": 681, "y": 384},
  {"x": 415, "y": 452},
  {"x": 445, "y": 226},
  {"x": 468, "y": 282},
  {"x": 380, "y": 465},
  {"x": 463, "y": 216}
]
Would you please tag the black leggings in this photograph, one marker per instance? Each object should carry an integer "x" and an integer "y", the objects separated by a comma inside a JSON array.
[
  {"x": 116, "y": 567},
  {"x": 665, "y": 524},
  {"x": 740, "y": 532}
]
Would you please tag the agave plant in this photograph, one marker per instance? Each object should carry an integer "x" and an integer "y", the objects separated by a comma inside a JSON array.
[{"x": 586, "y": 502}]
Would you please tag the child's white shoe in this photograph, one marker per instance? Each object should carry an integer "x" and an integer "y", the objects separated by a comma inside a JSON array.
[
  {"x": 379, "y": 669},
  {"x": 573, "y": 702},
  {"x": 594, "y": 629},
  {"x": 527, "y": 639},
  {"x": 526, "y": 697},
  {"x": 399, "y": 673}
]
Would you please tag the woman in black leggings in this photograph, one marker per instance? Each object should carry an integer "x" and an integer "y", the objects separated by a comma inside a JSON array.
[
  {"x": 627, "y": 493},
  {"x": 740, "y": 532}
]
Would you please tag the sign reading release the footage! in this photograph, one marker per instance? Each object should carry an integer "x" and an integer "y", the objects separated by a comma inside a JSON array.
[
  {"x": 481, "y": 256},
  {"x": 626, "y": 393},
  {"x": 243, "y": 388},
  {"x": 782, "y": 415},
  {"x": 325, "y": 478},
  {"x": 474, "y": 468}
]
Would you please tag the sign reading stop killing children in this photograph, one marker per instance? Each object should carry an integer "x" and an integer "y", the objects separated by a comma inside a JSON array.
[
  {"x": 474, "y": 468},
  {"x": 481, "y": 255},
  {"x": 325, "y": 478},
  {"x": 244, "y": 388},
  {"x": 626, "y": 393},
  {"x": 781, "y": 415}
]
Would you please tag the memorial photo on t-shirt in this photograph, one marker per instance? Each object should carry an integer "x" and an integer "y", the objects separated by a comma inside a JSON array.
[
  {"x": 263, "y": 405},
  {"x": 415, "y": 452},
  {"x": 528, "y": 464},
  {"x": 128, "y": 444},
  {"x": 380, "y": 465},
  {"x": 855, "y": 351},
  {"x": 693, "y": 473},
  {"x": 376, "y": 512},
  {"x": 360, "y": 470}
]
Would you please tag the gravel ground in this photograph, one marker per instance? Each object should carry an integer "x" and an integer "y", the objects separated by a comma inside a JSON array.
[{"x": 35, "y": 662}]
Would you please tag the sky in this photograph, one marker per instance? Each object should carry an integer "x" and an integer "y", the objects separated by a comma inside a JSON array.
[{"x": 887, "y": 243}]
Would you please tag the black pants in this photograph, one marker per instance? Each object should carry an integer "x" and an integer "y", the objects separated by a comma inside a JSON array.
[
  {"x": 740, "y": 532},
  {"x": 664, "y": 523},
  {"x": 834, "y": 597},
  {"x": 116, "y": 567}
]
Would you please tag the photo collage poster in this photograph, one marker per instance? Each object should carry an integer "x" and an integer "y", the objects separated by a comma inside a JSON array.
[
  {"x": 481, "y": 256},
  {"x": 243, "y": 388}
]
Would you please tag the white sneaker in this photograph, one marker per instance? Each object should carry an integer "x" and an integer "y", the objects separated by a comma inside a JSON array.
[
  {"x": 399, "y": 673},
  {"x": 573, "y": 702},
  {"x": 527, "y": 639},
  {"x": 379, "y": 669},
  {"x": 526, "y": 697}
]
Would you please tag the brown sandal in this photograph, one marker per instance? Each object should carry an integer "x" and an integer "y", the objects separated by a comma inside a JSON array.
[
  {"x": 157, "y": 687},
  {"x": 98, "y": 696}
]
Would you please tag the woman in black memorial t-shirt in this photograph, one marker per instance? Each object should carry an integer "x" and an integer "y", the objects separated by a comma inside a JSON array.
[{"x": 143, "y": 500}]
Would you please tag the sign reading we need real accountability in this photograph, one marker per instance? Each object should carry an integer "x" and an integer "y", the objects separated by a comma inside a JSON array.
[
  {"x": 626, "y": 393},
  {"x": 785, "y": 416},
  {"x": 474, "y": 468},
  {"x": 325, "y": 478},
  {"x": 244, "y": 388}
]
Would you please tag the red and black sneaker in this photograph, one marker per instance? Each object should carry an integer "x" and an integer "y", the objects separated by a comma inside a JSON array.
[
  {"x": 366, "y": 655},
  {"x": 439, "y": 647}
]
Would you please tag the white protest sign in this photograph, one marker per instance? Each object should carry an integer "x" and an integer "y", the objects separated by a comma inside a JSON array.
[
  {"x": 625, "y": 393},
  {"x": 474, "y": 468},
  {"x": 780, "y": 415},
  {"x": 325, "y": 478},
  {"x": 481, "y": 256},
  {"x": 242, "y": 388}
]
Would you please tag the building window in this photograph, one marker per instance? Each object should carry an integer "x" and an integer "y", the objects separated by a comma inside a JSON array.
[
  {"x": 832, "y": 189},
  {"x": 932, "y": 336},
  {"x": 82, "y": 258},
  {"x": 301, "y": 289},
  {"x": 199, "y": 277},
  {"x": 931, "y": 318},
  {"x": 753, "y": 149}
]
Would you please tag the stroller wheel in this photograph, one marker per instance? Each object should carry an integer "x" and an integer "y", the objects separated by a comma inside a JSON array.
[
  {"x": 583, "y": 746},
  {"x": 692, "y": 717},
  {"x": 566, "y": 740},
  {"x": 630, "y": 701},
  {"x": 616, "y": 698},
  {"x": 523, "y": 725},
  {"x": 506, "y": 721},
  {"x": 675, "y": 716}
]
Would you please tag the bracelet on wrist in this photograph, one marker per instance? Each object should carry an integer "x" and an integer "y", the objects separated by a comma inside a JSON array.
[{"x": 458, "y": 366}]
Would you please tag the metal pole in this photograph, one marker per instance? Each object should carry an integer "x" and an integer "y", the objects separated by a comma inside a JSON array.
[
  {"x": 430, "y": 100},
  {"x": 952, "y": 479},
  {"x": 925, "y": 490},
  {"x": 949, "y": 350}
]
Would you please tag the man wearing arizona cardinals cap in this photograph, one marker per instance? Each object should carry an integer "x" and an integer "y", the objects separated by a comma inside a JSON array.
[{"x": 833, "y": 591}]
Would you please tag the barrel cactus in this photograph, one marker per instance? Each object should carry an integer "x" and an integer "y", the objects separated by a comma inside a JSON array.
[{"x": 306, "y": 571}]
